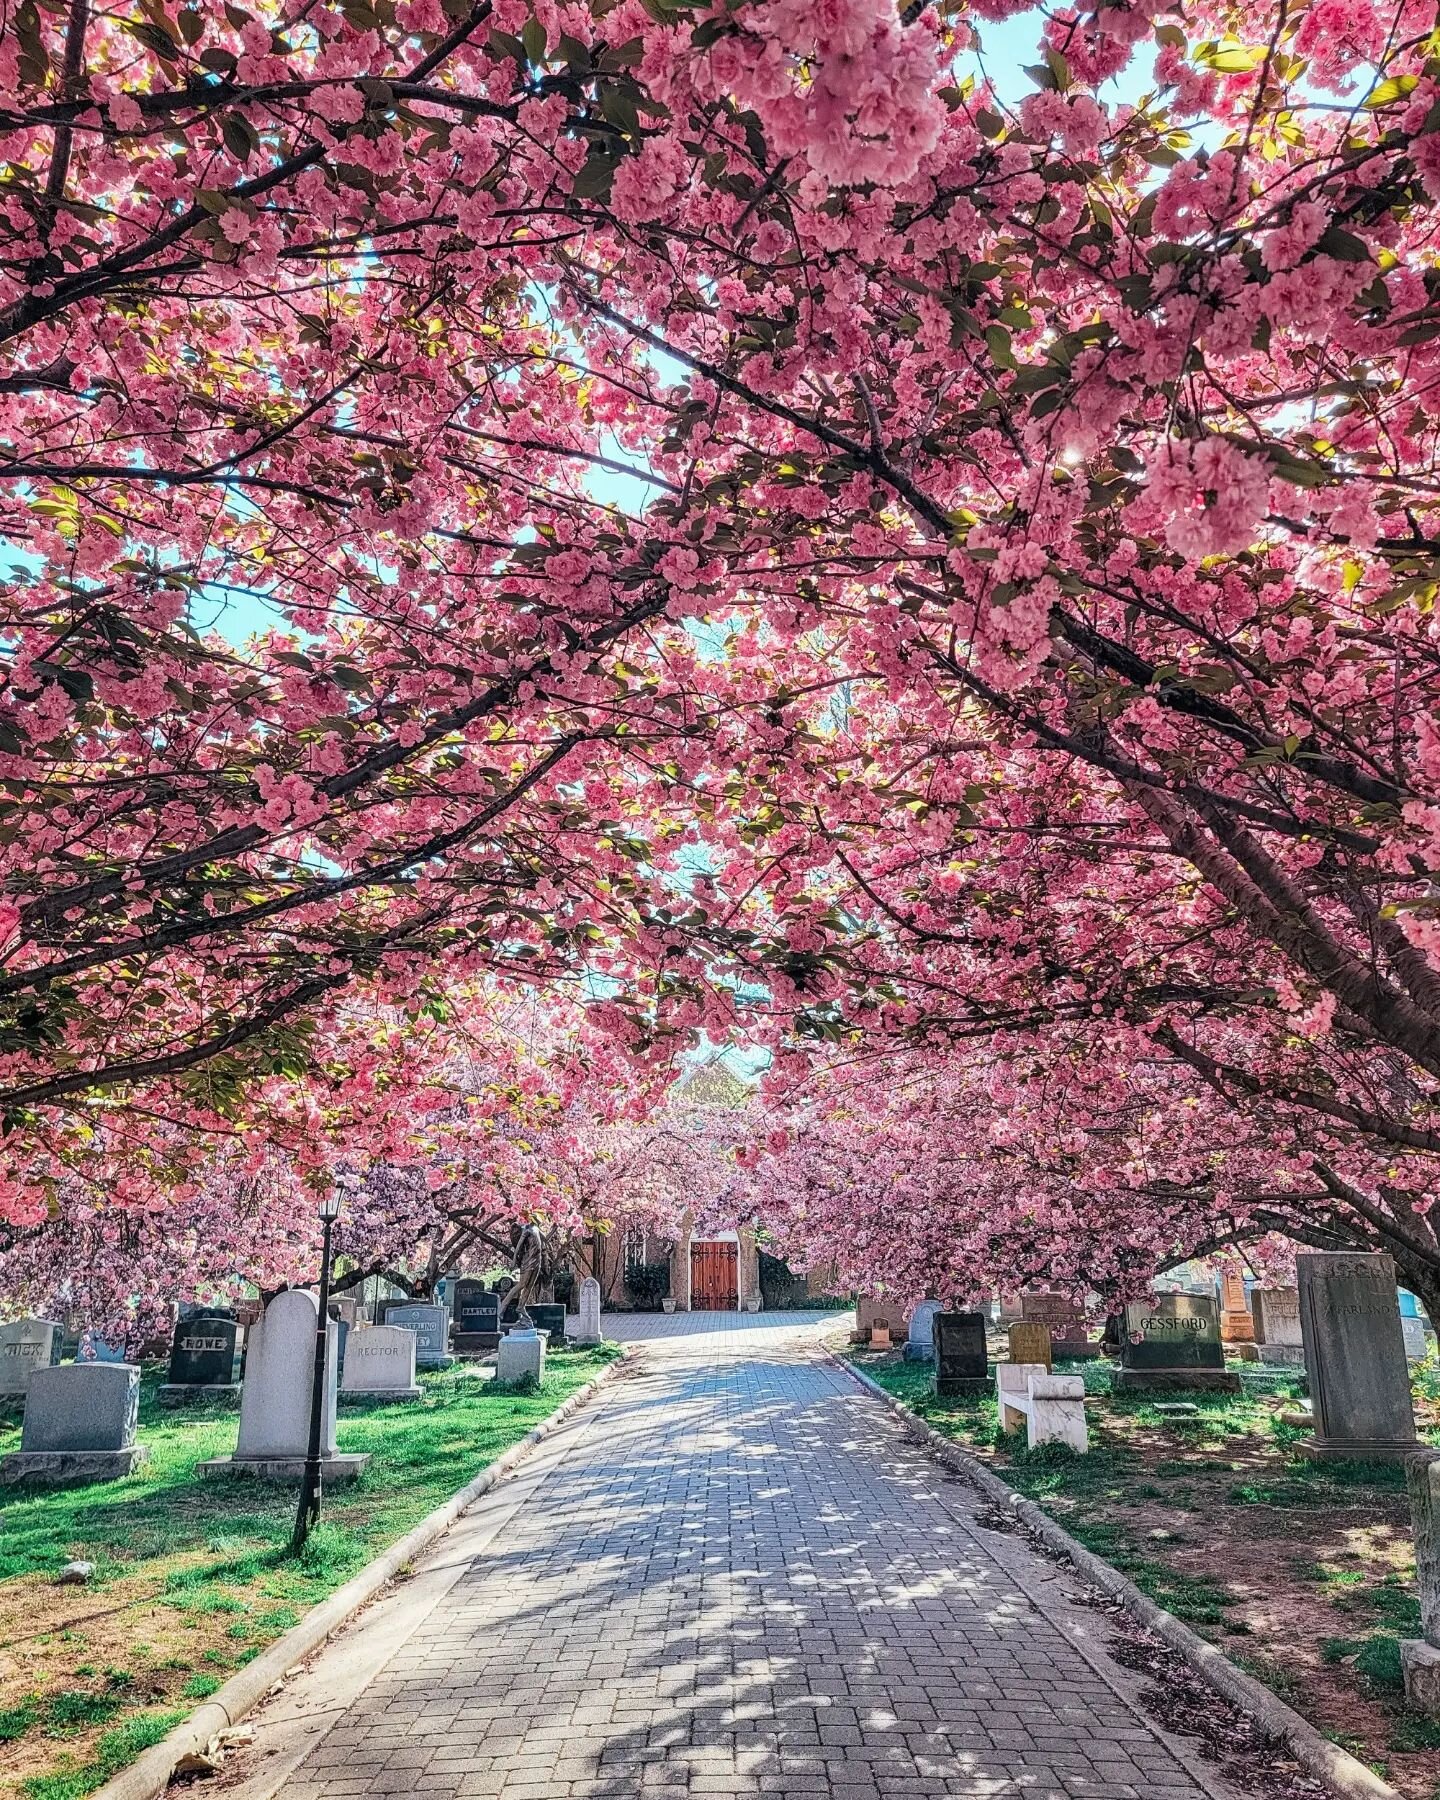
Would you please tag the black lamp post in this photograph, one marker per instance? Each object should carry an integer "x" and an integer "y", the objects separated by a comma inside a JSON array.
[{"x": 307, "y": 1513}]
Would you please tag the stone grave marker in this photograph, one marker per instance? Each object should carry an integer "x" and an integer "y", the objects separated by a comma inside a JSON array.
[
  {"x": 274, "y": 1436},
  {"x": 920, "y": 1344},
  {"x": 430, "y": 1324},
  {"x": 870, "y": 1312},
  {"x": 961, "y": 1364},
  {"x": 548, "y": 1316},
  {"x": 1012, "y": 1309},
  {"x": 1171, "y": 1343},
  {"x": 520, "y": 1358},
  {"x": 1068, "y": 1337},
  {"x": 381, "y": 1365},
  {"x": 1277, "y": 1326},
  {"x": 1355, "y": 1356},
  {"x": 79, "y": 1426},
  {"x": 879, "y": 1336},
  {"x": 476, "y": 1317},
  {"x": 1237, "y": 1328},
  {"x": 1030, "y": 1343},
  {"x": 204, "y": 1362},
  {"x": 587, "y": 1328},
  {"x": 1420, "y": 1657},
  {"x": 25, "y": 1346}
]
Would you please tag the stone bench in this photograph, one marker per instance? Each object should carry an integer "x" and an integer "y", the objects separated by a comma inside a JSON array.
[{"x": 1052, "y": 1406}]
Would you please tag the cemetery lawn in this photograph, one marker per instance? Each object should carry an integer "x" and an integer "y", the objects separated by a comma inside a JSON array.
[
  {"x": 1303, "y": 1573},
  {"x": 191, "y": 1578}
]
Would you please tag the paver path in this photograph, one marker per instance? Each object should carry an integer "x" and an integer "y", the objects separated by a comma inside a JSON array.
[{"x": 738, "y": 1578}]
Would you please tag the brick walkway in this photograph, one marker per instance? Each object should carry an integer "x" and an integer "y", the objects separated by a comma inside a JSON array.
[{"x": 737, "y": 1578}]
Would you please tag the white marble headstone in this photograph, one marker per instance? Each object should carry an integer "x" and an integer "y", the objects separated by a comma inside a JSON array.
[
  {"x": 587, "y": 1330},
  {"x": 380, "y": 1360},
  {"x": 279, "y": 1371},
  {"x": 920, "y": 1346}
]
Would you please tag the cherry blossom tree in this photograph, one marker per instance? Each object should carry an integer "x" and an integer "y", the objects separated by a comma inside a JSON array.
[{"x": 1047, "y": 471}]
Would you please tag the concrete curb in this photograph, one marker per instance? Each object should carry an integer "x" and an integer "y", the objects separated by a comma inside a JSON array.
[
  {"x": 1341, "y": 1773},
  {"x": 149, "y": 1775}
]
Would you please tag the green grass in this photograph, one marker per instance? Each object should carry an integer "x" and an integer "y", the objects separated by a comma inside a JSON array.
[
  {"x": 115, "y": 1749},
  {"x": 238, "y": 1589}
]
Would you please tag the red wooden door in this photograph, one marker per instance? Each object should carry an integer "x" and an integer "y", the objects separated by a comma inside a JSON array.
[{"x": 714, "y": 1277}]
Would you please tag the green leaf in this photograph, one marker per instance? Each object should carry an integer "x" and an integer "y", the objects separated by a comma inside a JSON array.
[
  {"x": 533, "y": 38},
  {"x": 1393, "y": 88},
  {"x": 997, "y": 342},
  {"x": 1344, "y": 246},
  {"x": 241, "y": 138}
]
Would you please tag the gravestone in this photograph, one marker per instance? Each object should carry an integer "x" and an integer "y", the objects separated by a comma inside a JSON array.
[
  {"x": 1277, "y": 1326},
  {"x": 1012, "y": 1309},
  {"x": 477, "y": 1318},
  {"x": 274, "y": 1435},
  {"x": 520, "y": 1359},
  {"x": 870, "y": 1312},
  {"x": 431, "y": 1327},
  {"x": 381, "y": 1365},
  {"x": 346, "y": 1307},
  {"x": 342, "y": 1340},
  {"x": 1030, "y": 1343},
  {"x": 79, "y": 1426},
  {"x": 204, "y": 1362},
  {"x": 961, "y": 1365},
  {"x": 1236, "y": 1324},
  {"x": 920, "y": 1344},
  {"x": 548, "y": 1316},
  {"x": 1355, "y": 1355},
  {"x": 879, "y": 1336},
  {"x": 1420, "y": 1657},
  {"x": 587, "y": 1328},
  {"x": 95, "y": 1348},
  {"x": 25, "y": 1346},
  {"x": 1171, "y": 1343},
  {"x": 1068, "y": 1338}
]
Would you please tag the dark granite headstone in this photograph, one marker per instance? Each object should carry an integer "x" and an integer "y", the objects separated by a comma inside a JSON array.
[
  {"x": 205, "y": 1353},
  {"x": 476, "y": 1319},
  {"x": 547, "y": 1316},
  {"x": 961, "y": 1366},
  {"x": 1171, "y": 1343}
]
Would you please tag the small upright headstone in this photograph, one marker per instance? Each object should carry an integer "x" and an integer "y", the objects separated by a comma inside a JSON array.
[
  {"x": 587, "y": 1329},
  {"x": 274, "y": 1436},
  {"x": 920, "y": 1345},
  {"x": 961, "y": 1365},
  {"x": 1277, "y": 1326},
  {"x": 204, "y": 1362},
  {"x": 1012, "y": 1309},
  {"x": 520, "y": 1359},
  {"x": 381, "y": 1365},
  {"x": 25, "y": 1346},
  {"x": 879, "y": 1336},
  {"x": 1069, "y": 1341},
  {"x": 476, "y": 1318},
  {"x": 870, "y": 1312},
  {"x": 1355, "y": 1355},
  {"x": 95, "y": 1348},
  {"x": 431, "y": 1327},
  {"x": 1171, "y": 1343},
  {"x": 79, "y": 1426},
  {"x": 548, "y": 1316},
  {"x": 1030, "y": 1343}
]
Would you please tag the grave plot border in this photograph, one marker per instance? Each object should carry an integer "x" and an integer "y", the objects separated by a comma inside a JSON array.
[
  {"x": 148, "y": 1777},
  {"x": 1343, "y": 1774}
]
